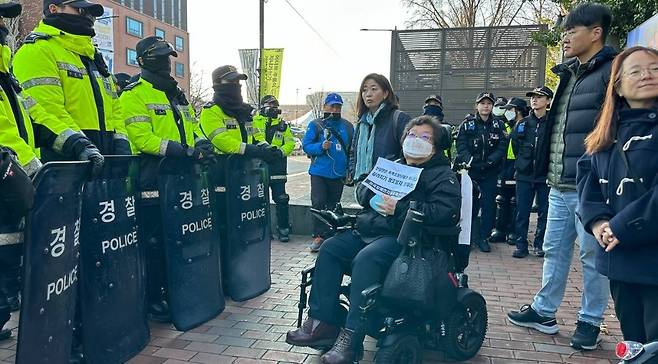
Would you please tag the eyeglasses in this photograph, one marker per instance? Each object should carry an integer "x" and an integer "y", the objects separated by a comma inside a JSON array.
[
  {"x": 425, "y": 136},
  {"x": 637, "y": 73}
]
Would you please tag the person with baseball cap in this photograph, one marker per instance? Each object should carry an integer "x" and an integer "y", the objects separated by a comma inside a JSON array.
[
  {"x": 434, "y": 107},
  {"x": 59, "y": 67},
  {"x": 227, "y": 120},
  {"x": 481, "y": 148},
  {"x": 530, "y": 182},
  {"x": 270, "y": 127}
]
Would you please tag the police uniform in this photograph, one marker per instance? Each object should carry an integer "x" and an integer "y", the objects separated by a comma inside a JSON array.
[
  {"x": 65, "y": 73},
  {"x": 482, "y": 146},
  {"x": 226, "y": 133},
  {"x": 276, "y": 133}
]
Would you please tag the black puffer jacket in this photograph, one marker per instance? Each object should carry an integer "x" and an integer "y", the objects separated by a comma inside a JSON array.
[
  {"x": 583, "y": 107},
  {"x": 389, "y": 126},
  {"x": 438, "y": 195}
]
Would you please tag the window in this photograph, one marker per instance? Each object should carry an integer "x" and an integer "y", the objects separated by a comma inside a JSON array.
[
  {"x": 180, "y": 70},
  {"x": 134, "y": 27},
  {"x": 159, "y": 33},
  {"x": 131, "y": 57},
  {"x": 180, "y": 43}
]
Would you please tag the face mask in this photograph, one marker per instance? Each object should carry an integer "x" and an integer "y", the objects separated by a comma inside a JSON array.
[
  {"x": 331, "y": 116},
  {"x": 71, "y": 23},
  {"x": 433, "y": 110},
  {"x": 5, "y": 59},
  {"x": 510, "y": 115},
  {"x": 417, "y": 148},
  {"x": 160, "y": 64},
  {"x": 498, "y": 111}
]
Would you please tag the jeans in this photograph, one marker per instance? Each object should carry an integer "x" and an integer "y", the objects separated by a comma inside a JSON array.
[
  {"x": 325, "y": 194},
  {"x": 487, "y": 185},
  {"x": 561, "y": 231},
  {"x": 346, "y": 253},
  {"x": 525, "y": 196}
]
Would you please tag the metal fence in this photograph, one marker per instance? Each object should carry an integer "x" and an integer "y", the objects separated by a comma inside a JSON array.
[{"x": 458, "y": 63}]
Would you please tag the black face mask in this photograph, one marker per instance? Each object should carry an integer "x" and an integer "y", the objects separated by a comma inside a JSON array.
[
  {"x": 3, "y": 34},
  {"x": 229, "y": 97},
  {"x": 71, "y": 23},
  {"x": 433, "y": 110},
  {"x": 160, "y": 65},
  {"x": 331, "y": 116}
]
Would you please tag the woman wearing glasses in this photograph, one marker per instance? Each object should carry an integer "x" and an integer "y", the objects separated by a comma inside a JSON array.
[
  {"x": 369, "y": 251},
  {"x": 618, "y": 191}
]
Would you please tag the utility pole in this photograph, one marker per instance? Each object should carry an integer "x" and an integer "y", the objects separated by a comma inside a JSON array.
[{"x": 261, "y": 49}]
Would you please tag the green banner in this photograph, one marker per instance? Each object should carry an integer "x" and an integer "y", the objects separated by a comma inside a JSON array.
[{"x": 271, "y": 76}]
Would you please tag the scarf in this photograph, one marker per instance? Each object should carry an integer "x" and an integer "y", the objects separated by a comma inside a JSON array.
[
  {"x": 70, "y": 23},
  {"x": 366, "y": 143},
  {"x": 229, "y": 97},
  {"x": 163, "y": 81}
]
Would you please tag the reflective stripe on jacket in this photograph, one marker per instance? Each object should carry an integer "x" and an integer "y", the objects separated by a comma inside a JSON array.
[{"x": 225, "y": 132}]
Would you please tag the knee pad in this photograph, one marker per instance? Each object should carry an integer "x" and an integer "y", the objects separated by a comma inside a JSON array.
[{"x": 285, "y": 198}]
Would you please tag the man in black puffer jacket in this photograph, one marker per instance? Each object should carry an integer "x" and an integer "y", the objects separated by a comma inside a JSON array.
[{"x": 579, "y": 96}]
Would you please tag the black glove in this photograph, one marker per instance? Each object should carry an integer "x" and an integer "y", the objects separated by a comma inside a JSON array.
[
  {"x": 203, "y": 149},
  {"x": 81, "y": 148},
  {"x": 272, "y": 154},
  {"x": 253, "y": 151},
  {"x": 122, "y": 147},
  {"x": 175, "y": 149}
]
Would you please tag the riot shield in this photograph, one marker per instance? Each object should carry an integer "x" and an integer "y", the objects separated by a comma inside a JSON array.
[
  {"x": 113, "y": 311},
  {"x": 52, "y": 243},
  {"x": 190, "y": 237},
  {"x": 246, "y": 248}
]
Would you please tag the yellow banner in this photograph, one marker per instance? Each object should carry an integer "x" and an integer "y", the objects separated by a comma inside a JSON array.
[{"x": 271, "y": 77}]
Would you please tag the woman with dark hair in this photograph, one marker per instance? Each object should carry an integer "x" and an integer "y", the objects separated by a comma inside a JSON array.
[
  {"x": 380, "y": 127},
  {"x": 618, "y": 191},
  {"x": 369, "y": 250}
]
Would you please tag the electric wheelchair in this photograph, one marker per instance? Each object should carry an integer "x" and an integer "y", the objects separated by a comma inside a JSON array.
[{"x": 457, "y": 325}]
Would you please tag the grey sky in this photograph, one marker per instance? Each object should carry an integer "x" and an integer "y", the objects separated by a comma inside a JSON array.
[{"x": 219, "y": 28}]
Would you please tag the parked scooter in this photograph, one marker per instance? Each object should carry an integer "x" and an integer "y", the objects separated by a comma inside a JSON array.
[{"x": 631, "y": 352}]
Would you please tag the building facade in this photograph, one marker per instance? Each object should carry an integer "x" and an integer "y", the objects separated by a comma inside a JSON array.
[{"x": 131, "y": 21}]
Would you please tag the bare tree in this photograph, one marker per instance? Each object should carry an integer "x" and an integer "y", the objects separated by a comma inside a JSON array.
[
  {"x": 316, "y": 101},
  {"x": 199, "y": 92},
  {"x": 13, "y": 37}
]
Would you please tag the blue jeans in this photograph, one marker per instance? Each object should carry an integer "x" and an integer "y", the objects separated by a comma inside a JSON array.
[{"x": 561, "y": 231}]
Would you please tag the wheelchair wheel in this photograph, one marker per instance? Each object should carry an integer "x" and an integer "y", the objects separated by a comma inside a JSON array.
[
  {"x": 466, "y": 327},
  {"x": 406, "y": 350}
]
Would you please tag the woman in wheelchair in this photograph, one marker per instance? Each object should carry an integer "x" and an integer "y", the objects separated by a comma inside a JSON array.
[{"x": 367, "y": 252}]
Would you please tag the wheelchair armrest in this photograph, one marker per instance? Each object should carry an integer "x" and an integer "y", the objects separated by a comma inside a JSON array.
[
  {"x": 308, "y": 270},
  {"x": 371, "y": 291}
]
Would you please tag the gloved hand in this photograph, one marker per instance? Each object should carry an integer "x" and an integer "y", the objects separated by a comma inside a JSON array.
[
  {"x": 122, "y": 147},
  {"x": 81, "y": 148},
  {"x": 176, "y": 149},
  {"x": 271, "y": 154},
  {"x": 203, "y": 149},
  {"x": 253, "y": 151}
]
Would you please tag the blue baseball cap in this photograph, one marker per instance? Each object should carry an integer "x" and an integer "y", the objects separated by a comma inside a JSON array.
[{"x": 333, "y": 99}]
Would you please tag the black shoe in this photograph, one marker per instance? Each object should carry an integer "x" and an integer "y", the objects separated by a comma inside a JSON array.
[
  {"x": 159, "y": 312},
  {"x": 527, "y": 317},
  {"x": 586, "y": 336},
  {"x": 511, "y": 239},
  {"x": 497, "y": 236},
  {"x": 5, "y": 334},
  {"x": 484, "y": 246},
  {"x": 284, "y": 235},
  {"x": 520, "y": 253}
]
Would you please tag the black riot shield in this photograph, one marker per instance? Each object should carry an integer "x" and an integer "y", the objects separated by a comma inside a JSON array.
[
  {"x": 113, "y": 314},
  {"x": 246, "y": 248},
  {"x": 190, "y": 234},
  {"x": 51, "y": 265}
]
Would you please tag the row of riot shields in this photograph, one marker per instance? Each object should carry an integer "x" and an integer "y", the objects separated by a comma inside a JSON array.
[{"x": 84, "y": 255}]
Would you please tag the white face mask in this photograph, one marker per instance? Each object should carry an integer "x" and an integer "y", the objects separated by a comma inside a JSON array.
[
  {"x": 417, "y": 148},
  {"x": 498, "y": 111},
  {"x": 510, "y": 115}
]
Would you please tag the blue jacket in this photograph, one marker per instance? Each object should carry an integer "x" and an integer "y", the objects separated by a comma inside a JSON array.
[
  {"x": 331, "y": 163},
  {"x": 607, "y": 191}
]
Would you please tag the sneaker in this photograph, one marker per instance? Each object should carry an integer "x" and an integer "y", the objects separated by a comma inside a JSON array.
[
  {"x": 520, "y": 253},
  {"x": 316, "y": 244},
  {"x": 527, "y": 317},
  {"x": 484, "y": 246},
  {"x": 586, "y": 336}
]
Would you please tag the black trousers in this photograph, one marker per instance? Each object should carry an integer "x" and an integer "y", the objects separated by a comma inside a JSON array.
[
  {"x": 10, "y": 257},
  {"x": 281, "y": 199},
  {"x": 636, "y": 306},
  {"x": 344, "y": 254},
  {"x": 525, "y": 196},
  {"x": 487, "y": 203},
  {"x": 325, "y": 194}
]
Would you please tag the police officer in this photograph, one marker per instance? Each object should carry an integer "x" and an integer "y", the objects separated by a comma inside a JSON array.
[
  {"x": 481, "y": 147},
  {"x": 515, "y": 110},
  {"x": 16, "y": 195},
  {"x": 271, "y": 128},
  {"x": 227, "y": 121},
  {"x": 59, "y": 67},
  {"x": 434, "y": 107},
  {"x": 122, "y": 80},
  {"x": 160, "y": 123}
]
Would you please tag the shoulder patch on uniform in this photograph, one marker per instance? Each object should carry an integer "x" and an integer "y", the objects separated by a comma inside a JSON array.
[
  {"x": 34, "y": 37},
  {"x": 131, "y": 86},
  {"x": 208, "y": 105}
]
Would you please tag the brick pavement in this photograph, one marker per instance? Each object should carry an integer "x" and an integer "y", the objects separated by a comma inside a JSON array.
[{"x": 254, "y": 331}]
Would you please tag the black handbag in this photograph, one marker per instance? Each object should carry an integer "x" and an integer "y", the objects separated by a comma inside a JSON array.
[{"x": 409, "y": 282}]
